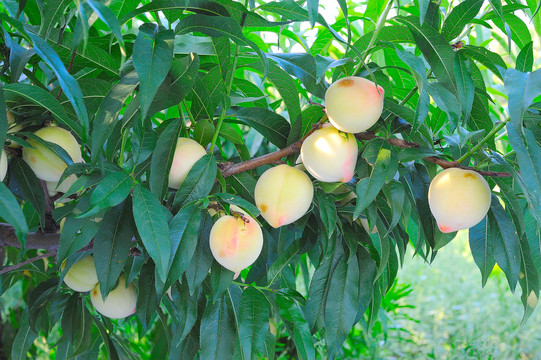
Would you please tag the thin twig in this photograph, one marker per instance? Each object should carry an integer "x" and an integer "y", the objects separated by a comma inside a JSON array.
[{"x": 26, "y": 262}]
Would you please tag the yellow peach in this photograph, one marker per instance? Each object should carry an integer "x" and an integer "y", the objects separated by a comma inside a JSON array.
[
  {"x": 236, "y": 242},
  {"x": 3, "y": 165},
  {"x": 120, "y": 303},
  {"x": 187, "y": 152},
  {"x": 283, "y": 194},
  {"x": 330, "y": 155},
  {"x": 82, "y": 275},
  {"x": 353, "y": 104},
  {"x": 458, "y": 199},
  {"x": 47, "y": 165},
  {"x": 53, "y": 188}
]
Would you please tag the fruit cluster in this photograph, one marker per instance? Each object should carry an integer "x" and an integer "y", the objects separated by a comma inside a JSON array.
[
  {"x": 119, "y": 303},
  {"x": 458, "y": 198}
]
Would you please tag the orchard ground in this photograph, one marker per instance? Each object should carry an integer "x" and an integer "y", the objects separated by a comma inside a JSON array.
[{"x": 460, "y": 320}]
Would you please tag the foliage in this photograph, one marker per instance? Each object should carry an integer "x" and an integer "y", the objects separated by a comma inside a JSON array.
[{"x": 246, "y": 80}]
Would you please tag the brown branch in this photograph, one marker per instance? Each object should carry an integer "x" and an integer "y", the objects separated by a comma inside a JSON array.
[
  {"x": 26, "y": 262},
  {"x": 229, "y": 168},
  {"x": 36, "y": 240}
]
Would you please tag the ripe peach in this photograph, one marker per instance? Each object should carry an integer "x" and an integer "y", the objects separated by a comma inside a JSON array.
[
  {"x": 53, "y": 188},
  {"x": 187, "y": 153},
  {"x": 330, "y": 155},
  {"x": 353, "y": 104},
  {"x": 3, "y": 165},
  {"x": 120, "y": 303},
  {"x": 236, "y": 242},
  {"x": 283, "y": 194},
  {"x": 47, "y": 165},
  {"x": 458, "y": 199},
  {"x": 82, "y": 275}
]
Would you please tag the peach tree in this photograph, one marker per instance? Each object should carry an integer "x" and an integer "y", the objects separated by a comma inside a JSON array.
[{"x": 241, "y": 180}]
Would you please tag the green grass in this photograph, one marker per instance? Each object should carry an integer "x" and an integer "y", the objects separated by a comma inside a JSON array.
[{"x": 453, "y": 317}]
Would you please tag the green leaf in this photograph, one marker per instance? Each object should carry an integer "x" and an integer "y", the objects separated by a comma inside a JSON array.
[
  {"x": 319, "y": 289},
  {"x": 44, "y": 99},
  {"x": 112, "y": 245},
  {"x": 302, "y": 66},
  {"x": 252, "y": 210},
  {"x": 486, "y": 57},
  {"x": 75, "y": 234},
  {"x": 11, "y": 212},
  {"x": 313, "y": 7},
  {"x": 292, "y": 315},
  {"x": 435, "y": 49},
  {"x": 152, "y": 228},
  {"x": 108, "y": 112},
  {"x": 253, "y": 321},
  {"x": 529, "y": 161},
  {"x": 198, "y": 269},
  {"x": 220, "y": 280},
  {"x": 23, "y": 340},
  {"x": 244, "y": 185},
  {"x": 283, "y": 260},
  {"x": 31, "y": 187},
  {"x": 520, "y": 34},
  {"x": 68, "y": 84},
  {"x": 269, "y": 124},
  {"x": 525, "y": 58},
  {"x": 111, "y": 191},
  {"x": 460, "y": 16},
  {"x": 218, "y": 330},
  {"x": 505, "y": 243},
  {"x": 162, "y": 158},
  {"x": 368, "y": 188},
  {"x": 216, "y": 26},
  {"x": 152, "y": 59},
  {"x": 481, "y": 248},
  {"x": 327, "y": 211},
  {"x": 465, "y": 86},
  {"x": 521, "y": 89},
  {"x": 198, "y": 182},
  {"x": 177, "y": 84},
  {"x": 183, "y": 231},
  {"x": 53, "y": 13},
  {"x": 341, "y": 306},
  {"x": 147, "y": 298},
  {"x": 109, "y": 18},
  {"x": 447, "y": 102}
]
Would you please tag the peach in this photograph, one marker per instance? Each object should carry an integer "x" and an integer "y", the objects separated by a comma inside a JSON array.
[
  {"x": 353, "y": 104},
  {"x": 330, "y": 155},
  {"x": 187, "y": 152},
  {"x": 3, "y": 165},
  {"x": 82, "y": 275},
  {"x": 236, "y": 242},
  {"x": 458, "y": 199},
  {"x": 120, "y": 303},
  {"x": 283, "y": 194},
  {"x": 47, "y": 165}
]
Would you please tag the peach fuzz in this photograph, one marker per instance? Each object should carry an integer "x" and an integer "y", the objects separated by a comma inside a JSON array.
[
  {"x": 458, "y": 199},
  {"x": 353, "y": 104},
  {"x": 120, "y": 303},
  {"x": 330, "y": 155},
  {"x": 47, "y": 165},
  {"x": 187, "y": 152},
  {"x": 82, "y": 276},
  {"x": 236, "y": 242},
  {"x": 283, "y": 194}
]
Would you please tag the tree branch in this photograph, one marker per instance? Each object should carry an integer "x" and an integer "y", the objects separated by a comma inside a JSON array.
[
  {"x": 26, "y": 262},
  {"x": 229, "y": 168},
  {"x": 36, "y": 240}
]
